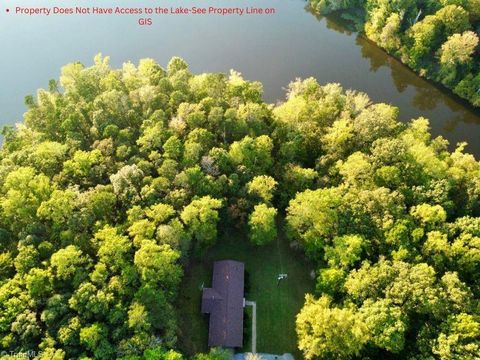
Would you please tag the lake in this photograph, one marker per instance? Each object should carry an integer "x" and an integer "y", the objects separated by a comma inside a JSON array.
[{"x": 274, "y": 49}]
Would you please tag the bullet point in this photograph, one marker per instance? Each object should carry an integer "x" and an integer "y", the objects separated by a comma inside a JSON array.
[{"x": 8, "y": 10}]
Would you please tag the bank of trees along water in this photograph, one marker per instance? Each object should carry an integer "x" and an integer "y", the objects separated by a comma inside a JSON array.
[
  {"x": 439, "y": 39},
  {"x": 118, "y": 176}
]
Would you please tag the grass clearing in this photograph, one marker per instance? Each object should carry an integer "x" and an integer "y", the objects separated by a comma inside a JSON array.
[{"x": 277, "y": 303}]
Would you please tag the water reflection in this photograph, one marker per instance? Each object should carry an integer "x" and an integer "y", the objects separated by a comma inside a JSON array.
[
  {"x": 273, "y": 49},
  {"x": 449, "y": 115}
]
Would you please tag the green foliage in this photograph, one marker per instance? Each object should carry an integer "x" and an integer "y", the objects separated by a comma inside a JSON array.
[
  {"x": 458, "y": 49},
  {"x": 327, "y": 332},
  {"x": 382, "y": 215},
  {"x": 313, "y": 217},
  {"x": 262, "y": 225},
  {"x": 295, "y": 179},
  {"x": 253, "y": 153},
  {"x": 386, "y": 323},
  {"x": 262, "y": 188},
  {"x": 345, "y": 252},
  {"x": 24, "y": 191},
  {"x": 68, "y": 263},
  {"x": 434, "y": 38},
  {"x": 201, "y": 217},
  {"x": 214, "y": 354},
  {"x": 157, "y": 264},
  {"x": 114, "y": 179},
  {"x": 460, "y": 338},
  {"x": 126, "y": 183}
]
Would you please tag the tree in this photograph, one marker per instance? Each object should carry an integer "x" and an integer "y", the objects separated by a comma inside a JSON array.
[
  {"x": 357, "y": 170},
  {"x": 175, "y": 65},
  {"x": 201, "y": 217},
  {"x": 194, "y": 180},
  {"x": 26, "y": 259},
  {"x": 26, "y": 326},
  {"x": 437, "y": 248},
  {"x": 126, "y": 183},
  {"x": 138, "y": 318},
  {"x": 115, "y": 171},
  {"x": 390, "y": 37},
  {"x": 157, "y": 264},
  {"x": 48, "y": 156},
  {"x": 51, "y": 354},
  {"x": 413, "y": 287},
  {"x": 90, "y": 301},
  {"x": 160, "y": 213},
  {"x": 262, "y": 225},
  {"x": 156, "y": 353},
  {"x": 252, "y": 356},
  {"x": 173, "y": 148},
  {"x": 346, "y": 251},
  {"x": 456, "y": 56},
  {"x": 253, "y": 153},
  {"x": 458, "y": 49},
  {"x": 414, "y": 31},
  {"x": 39, "y": 283},
  {"x": 327, "y": 332},
  {"x": 160, "y": 311},
  {"x": 466, "y": 250},
  {"x": 467, "y": 88},
  {"x": 429, "y": 214},
  {"x": 92, "y": 335},
  {"x": 425, "y": 37},
  {"x": 330, "y": 281},
  {"x": 386, "y": 324},
  {"x": 97, "y": 204},
  {"x": 313, "y": 217},
  {"x": 24, "y": 193},
  {"x": 455, "y": 294},
  {"x": 295, "y": 179},
  {"x": 214, "y": 354},
  {"x": 338, "y": 137},
  {"x": 113, "y": 248},
  {"x": 262, "y": 187},
  {"x": 153, "y": 135},
  {"x": 6, "y": 266},
  {"x": 59, "y": 208},
  {"x": 69, "y": 263},
  {"x": 85, "y": 168},
  {"x": 460, "y": 338},
  {"x": 454, "y": 19},
  {"x": 374, "y": 122}
]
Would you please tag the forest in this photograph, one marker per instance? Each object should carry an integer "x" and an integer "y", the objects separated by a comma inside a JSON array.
[
  {"x": 438, "y": 39},
  {"x": 117, "y": 177}
]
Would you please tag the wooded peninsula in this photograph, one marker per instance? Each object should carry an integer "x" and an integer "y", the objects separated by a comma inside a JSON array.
[{"x": 119, "y": 178}]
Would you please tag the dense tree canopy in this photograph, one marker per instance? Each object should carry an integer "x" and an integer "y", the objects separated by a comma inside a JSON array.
[
  {"x": 392, "y": 216},
  {"x": 118, "y": 176}
]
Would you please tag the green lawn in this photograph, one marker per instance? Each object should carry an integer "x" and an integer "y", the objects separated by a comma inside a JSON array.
[{"x": 277, "y": 304}]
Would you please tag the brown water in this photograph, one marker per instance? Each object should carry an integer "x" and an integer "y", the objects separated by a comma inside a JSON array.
[{"x": 274, "y": 49}]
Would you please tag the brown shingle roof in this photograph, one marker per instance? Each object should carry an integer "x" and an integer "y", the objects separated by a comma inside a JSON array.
[{"x": 224, "y": 302}]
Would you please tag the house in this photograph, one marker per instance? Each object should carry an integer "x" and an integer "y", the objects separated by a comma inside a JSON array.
[{"x": 224, "y": 301}]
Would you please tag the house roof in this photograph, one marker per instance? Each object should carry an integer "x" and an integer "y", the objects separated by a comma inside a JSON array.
[
  {"x": 224, "y": 302},
  {"x": 210, "y": 298}
]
